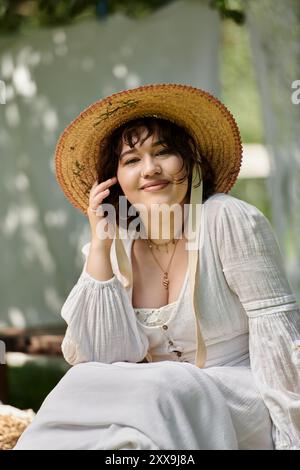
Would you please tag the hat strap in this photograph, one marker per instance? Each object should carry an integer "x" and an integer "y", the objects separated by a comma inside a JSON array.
[
  {"x": 194, "y": 222},
  {"x": 123, "y": 260}
]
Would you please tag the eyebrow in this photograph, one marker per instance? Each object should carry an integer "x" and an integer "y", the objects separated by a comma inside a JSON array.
[{"x": 156, "y": 144}]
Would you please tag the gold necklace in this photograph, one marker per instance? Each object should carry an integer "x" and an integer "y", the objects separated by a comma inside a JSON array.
[
  {"x": 165, "y": 280},
  {"x": 158, "y": 246}
]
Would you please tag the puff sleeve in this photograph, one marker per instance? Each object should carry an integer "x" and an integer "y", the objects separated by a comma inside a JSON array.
[
  {"x": 101, "y": 324},
  {"x": 253, "y": 267}
]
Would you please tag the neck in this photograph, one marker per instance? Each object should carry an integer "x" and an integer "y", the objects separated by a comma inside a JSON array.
[{"x": 164, "y": 230}]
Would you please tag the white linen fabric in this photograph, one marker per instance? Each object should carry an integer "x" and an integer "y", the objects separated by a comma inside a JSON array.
[
  {"x": 160, "y": 405},
  {"x": 105, "y": 401}
]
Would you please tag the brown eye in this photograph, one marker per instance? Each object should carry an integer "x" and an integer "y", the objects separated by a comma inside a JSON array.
[
  {"x": 131, "y": 161},
  {"x": 164, "y": 152}
]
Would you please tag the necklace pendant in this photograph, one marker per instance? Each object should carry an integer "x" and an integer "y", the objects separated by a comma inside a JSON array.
[{"x": 166, "y": 281}]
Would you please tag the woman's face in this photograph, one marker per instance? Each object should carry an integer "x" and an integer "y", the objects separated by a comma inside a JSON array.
[{"x": 147, "y": 162}]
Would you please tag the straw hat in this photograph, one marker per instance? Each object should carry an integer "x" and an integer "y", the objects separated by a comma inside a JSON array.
[{"x": 202, "y": 115}]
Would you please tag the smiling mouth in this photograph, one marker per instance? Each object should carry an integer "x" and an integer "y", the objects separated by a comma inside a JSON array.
[{"x": 155, "y": 187}]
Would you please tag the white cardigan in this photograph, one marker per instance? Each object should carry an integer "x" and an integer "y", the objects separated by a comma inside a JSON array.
[{"x": 243, "y": 288}]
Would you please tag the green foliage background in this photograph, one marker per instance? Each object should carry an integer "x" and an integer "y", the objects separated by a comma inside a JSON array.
[{"x": 16, "y": 15}]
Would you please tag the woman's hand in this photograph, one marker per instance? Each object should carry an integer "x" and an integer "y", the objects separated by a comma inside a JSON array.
[{"x": 97, "y": 194}]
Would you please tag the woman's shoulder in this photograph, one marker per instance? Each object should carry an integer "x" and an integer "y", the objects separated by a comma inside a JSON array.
[
  {"x": 224, "y": 210},
  {"x": 231, "y": 204},
  {"x": 212, "y": 207},
  {"x": 222, "y": 198}
]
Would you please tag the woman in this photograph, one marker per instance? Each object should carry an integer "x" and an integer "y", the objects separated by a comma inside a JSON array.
[{"x": 183, "y": 331}]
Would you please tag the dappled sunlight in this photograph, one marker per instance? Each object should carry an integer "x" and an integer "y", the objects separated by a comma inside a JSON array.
[
  {"x": 88, "y": 64},
  {"x": 17, "y": 317},
  {"x": 10, "y": 222},
  {"x": 50, "y": 120},
  {"x": 23, "y": 83},
  {"x": 12, "y": 115},
  {"x": 21, "y": 182},
  {"x": 56, "y": 218},
  {"x": 52, "y": 299},
  {"x": 120, "y": 71},
  {"x": 132, "y": 80},
  {"x": 36, "y": 249}
]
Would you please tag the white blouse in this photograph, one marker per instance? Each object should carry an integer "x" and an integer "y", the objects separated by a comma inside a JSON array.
[
  {"x": 245, "y": 300},
  {"x": 164, "y": 327}
]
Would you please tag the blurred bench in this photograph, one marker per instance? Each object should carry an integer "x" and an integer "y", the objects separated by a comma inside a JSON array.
[{"x": 33, "y": 341}]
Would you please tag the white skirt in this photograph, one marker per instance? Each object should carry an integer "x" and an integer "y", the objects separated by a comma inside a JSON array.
[{"x": 153, "y": 406}]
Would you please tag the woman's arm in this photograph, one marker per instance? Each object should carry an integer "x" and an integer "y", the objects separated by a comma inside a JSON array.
[
  {"x": 98, "y": 263},
  {"x": 101, "y": 321},
  {"x": 253, "y": 267}
]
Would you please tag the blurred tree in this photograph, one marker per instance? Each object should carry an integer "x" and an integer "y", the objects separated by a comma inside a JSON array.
[
  {"x": 16, "y": 14},
  {"x": 239, "y": 82}
]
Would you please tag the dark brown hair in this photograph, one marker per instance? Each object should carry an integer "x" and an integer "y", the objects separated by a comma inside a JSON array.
[{"x": 173, "y": 136}]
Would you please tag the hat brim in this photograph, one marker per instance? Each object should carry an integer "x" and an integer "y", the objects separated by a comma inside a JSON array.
[{"x": 202, "y": 115}]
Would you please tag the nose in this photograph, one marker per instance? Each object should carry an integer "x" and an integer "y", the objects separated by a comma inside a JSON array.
[{"x": 150, "y": 167}]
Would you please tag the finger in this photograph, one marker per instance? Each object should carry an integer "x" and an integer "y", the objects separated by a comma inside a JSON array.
[
  {"x": 97, "y": 211},
  {"x": 100, "y": 187},
  {"x": 98, "y": 198},
  {"x": 106, "y": 184},
  {"x": 93, "y": 187}
]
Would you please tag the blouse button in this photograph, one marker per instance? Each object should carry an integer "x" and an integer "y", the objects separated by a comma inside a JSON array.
[{"x": 165, "y": 327}]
